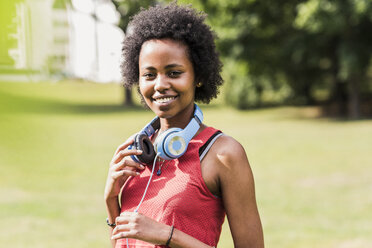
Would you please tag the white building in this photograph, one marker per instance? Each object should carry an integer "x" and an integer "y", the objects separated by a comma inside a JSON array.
[{"x": 79, "y": 40}]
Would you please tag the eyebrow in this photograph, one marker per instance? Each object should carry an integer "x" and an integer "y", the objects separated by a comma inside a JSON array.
[{"x": 166, "y": 67}]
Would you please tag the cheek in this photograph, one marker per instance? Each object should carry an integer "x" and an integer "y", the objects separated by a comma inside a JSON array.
[
  {"x": 144, "y": 89},
  {"x": 189, "y": 88},
  {"x": 141, "y": 90}
]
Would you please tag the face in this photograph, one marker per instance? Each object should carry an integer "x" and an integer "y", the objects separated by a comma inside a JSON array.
[{"x": 166, "y": 78}]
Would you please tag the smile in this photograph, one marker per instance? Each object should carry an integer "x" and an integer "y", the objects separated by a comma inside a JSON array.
[{"x": 165, "y": 99}]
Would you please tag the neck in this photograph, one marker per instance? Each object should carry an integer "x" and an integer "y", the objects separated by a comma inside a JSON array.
[{"x": 180, "y": 120}]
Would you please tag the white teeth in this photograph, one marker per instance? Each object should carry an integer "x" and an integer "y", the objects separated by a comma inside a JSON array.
[{"x": 165, "y": 99}]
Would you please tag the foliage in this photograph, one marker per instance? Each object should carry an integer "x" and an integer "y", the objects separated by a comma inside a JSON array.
[
  {"x": 309, "y": 45},
  {"x": 127, "y": 9},
  {"x": 8, "y": 29},
  {"x": 61, "y": 4},
  {"x": 297, "y": 51},
  {"x": 240, "y": 92},
  {"x": 341, "y": 32}
]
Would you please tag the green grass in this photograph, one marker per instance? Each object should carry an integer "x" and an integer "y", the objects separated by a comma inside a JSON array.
[{"x": 313, "y": 175}]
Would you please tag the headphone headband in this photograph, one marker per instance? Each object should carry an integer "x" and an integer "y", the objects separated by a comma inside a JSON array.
[
  {"x": 170, "y": 144},
  {"x": 154, "y": 125},
  {"x": 198, "y": 114},
  {"x": 150, "y": 128}
]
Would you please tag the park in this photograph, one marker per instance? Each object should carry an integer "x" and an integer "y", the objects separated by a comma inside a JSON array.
[
  {"x": 312, "y": 174},
  {"x": 296, "y": 94}
]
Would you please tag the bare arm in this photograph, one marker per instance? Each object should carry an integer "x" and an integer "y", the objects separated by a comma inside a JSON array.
[
  {"x": 121, "y": 167},
  {"x": 138, "y": 226},
  {"x": 238, "y": 192},
  {"x": 113, "y": 210}
]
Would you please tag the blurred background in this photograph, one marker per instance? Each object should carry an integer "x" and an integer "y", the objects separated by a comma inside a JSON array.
[{"x": 297, "y": 95}]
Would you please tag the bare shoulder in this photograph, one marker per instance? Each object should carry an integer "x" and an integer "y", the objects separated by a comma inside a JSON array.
[
  {"x": 225, "y": 165},
  {"x": 229, "y": 152},
  {"x": 236, "y": 184},
  {"x": 232, "y": 166}
]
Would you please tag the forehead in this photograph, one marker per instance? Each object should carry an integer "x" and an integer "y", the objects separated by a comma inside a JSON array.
[{"x": 158, "y": 51}]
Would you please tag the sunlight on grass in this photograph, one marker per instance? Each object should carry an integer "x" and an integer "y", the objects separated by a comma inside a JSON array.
[{"x": 313, "y": 175}]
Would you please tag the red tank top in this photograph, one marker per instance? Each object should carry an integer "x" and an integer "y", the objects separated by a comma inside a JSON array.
[{"x": 178, "y": 196}]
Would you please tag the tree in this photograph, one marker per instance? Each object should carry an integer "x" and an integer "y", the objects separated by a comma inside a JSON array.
[
  {"x": 128, "y": 8},
  {"x": 8, "y": 31},
  {"x": 304, "y": 44},
  {"x": 344, "y": 27}
]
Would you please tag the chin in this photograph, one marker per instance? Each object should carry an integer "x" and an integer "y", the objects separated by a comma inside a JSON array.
[
  {"x": 163, "y": 114},
  {"x": 162, "y": 111}
]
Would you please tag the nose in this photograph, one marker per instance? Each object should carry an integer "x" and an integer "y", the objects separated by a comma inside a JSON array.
[{"x": 161, "y": 83}]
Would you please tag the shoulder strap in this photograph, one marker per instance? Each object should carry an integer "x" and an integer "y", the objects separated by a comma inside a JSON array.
[{"x": 203, "y": 150}]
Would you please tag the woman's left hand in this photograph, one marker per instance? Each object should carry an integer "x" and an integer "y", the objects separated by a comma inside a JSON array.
[{"x": 138, "y": 226}]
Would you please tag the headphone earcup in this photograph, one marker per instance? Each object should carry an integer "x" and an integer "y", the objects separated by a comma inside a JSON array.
[
  {"x": 143, "y": 143},
  {"x": 169, "y": 145}
]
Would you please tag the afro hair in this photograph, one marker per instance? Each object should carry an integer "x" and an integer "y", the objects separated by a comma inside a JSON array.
[{"x": 183, "y": 24}]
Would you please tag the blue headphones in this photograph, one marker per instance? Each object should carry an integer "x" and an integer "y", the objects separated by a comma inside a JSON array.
[{"x": 170, "y": 144}]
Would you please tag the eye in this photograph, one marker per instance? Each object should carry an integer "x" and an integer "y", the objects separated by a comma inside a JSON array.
[
  {"x": 149, "y": 75},
  {"x": 174, "y": 74}
]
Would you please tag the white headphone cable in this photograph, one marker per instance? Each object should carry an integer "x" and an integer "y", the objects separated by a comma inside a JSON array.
[
  {"x": 147, "y": 187},
  {"x": 148, "y": 183}
]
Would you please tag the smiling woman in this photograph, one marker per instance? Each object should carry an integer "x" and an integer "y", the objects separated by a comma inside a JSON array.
[
  {"x": 167, "y": 81},
  {"x": 202, "y": 174}
]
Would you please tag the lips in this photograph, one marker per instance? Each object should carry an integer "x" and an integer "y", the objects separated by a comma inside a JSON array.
[{"x": 164, "y": 99}]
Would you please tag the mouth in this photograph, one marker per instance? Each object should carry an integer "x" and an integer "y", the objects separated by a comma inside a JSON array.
[{"x": 165, "y": 99}]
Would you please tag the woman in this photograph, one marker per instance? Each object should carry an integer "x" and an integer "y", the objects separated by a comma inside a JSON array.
[{"x": 171, "y": 54}]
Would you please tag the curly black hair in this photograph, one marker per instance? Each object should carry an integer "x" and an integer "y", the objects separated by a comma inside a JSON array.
[{"x": 181, "y": 23}]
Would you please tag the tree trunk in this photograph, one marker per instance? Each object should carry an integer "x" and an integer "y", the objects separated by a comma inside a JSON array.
[
  {"x": 339, "y": 92},
  {"x": 339, "y": 98},
  {"x": 309, "y": 99},
  {"x": 128, "y": 100},
  {"x": 354, "y": 98}
]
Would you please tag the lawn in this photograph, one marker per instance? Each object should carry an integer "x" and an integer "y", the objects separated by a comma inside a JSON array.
[{"x": 313, "y": 175}]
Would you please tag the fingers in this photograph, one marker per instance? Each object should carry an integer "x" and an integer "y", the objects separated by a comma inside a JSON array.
[
  {"x": 127, "y": 143},
  {"x": 125, "y": 167},
  {"x": 128, "y": 173},
  {"x": 125, "y": 225},
  {"x": 121, "y": 235},
  {"x": 126, "y": 218},
  {"x": 124, "y": 153},
  {"x": 124, "y": 234},
  {"x": 125, "y": 162}
]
